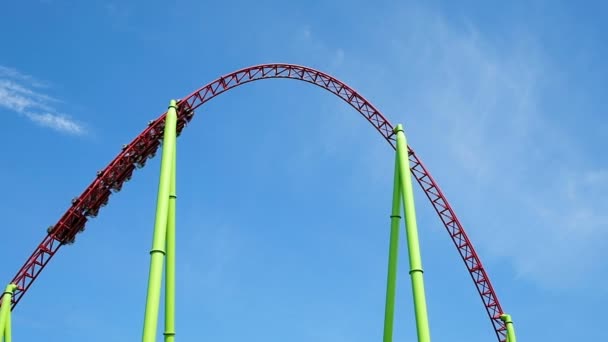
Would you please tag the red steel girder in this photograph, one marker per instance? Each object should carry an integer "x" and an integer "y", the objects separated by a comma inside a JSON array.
[{"x": 144, "y": 146}]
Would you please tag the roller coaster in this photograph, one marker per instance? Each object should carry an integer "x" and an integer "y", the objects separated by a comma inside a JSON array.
[{"x": 163, "y": 132}]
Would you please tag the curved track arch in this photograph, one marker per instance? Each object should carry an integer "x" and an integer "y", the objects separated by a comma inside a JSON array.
[{"x": 144, "y": 146}]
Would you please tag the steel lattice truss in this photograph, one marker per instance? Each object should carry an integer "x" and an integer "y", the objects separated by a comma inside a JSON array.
[{"x": 143, "y": 147}]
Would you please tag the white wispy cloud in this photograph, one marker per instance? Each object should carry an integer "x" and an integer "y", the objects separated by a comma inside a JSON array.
[
  {"x": 12, "y": 73},
  {"x": 473, "y": 110},
  {"x": 530, "y": 193},
  {"x": 57, "y": 122},
  {"x": 331, "y": 56},
  {"x": 20, "y": 93}
]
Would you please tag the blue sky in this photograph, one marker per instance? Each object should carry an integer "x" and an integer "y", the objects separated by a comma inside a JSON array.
[{"x": 284, "y": 191}]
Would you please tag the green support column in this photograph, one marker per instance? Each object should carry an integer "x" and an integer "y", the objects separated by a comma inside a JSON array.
[
  {"x": 160, "y": 227},
  {"x": 411, "y": 229},
  {"x": 8, "y": 334},
  {"x": 5, "y": 312},
  {"x": 510, "y": 329},
  {"x": 170, "y": 266},
  {"x": 389, "y": 313}
]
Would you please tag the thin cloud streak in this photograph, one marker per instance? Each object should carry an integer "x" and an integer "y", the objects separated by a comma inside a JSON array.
[
  {"x": 17, "y": 94},
  {"x": 11, "y": 73},
  {"x": 56, "y": 122}
]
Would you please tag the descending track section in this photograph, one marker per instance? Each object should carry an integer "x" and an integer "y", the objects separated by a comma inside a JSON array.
[{"x": 143, "y": 147}]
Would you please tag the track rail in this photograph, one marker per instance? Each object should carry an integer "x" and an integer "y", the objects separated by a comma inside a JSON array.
[{"x": 143, "y": 147}]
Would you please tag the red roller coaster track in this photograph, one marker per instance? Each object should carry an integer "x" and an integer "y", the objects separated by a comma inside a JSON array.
[{"x": 144, "y": 146}]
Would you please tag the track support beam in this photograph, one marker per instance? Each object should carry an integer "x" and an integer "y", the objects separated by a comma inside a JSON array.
[
  {"x": 170, "y": 267},
  {"x": 510, "y": 328},
  {"x": 391, "y": 281},
  {"x": 413, "y": 243},
  {"x": 5, "y": 313},
  {"x": 161, "y": 228}
]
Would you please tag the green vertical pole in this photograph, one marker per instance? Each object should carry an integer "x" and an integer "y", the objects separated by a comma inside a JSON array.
[
  {"x": 510, "y": 329},
  {"x": 391, "y": 281},
  {"x": 7, "y": 329},
  {"x": 160, "y": 227},
  {"x": 411, "y": 229},
  {"x": 170, "y": 266},
  {"x": 5, "y": 311}
]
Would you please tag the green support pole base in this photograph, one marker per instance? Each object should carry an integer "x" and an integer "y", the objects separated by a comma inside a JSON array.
[{"x": 510, "y": 328}]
